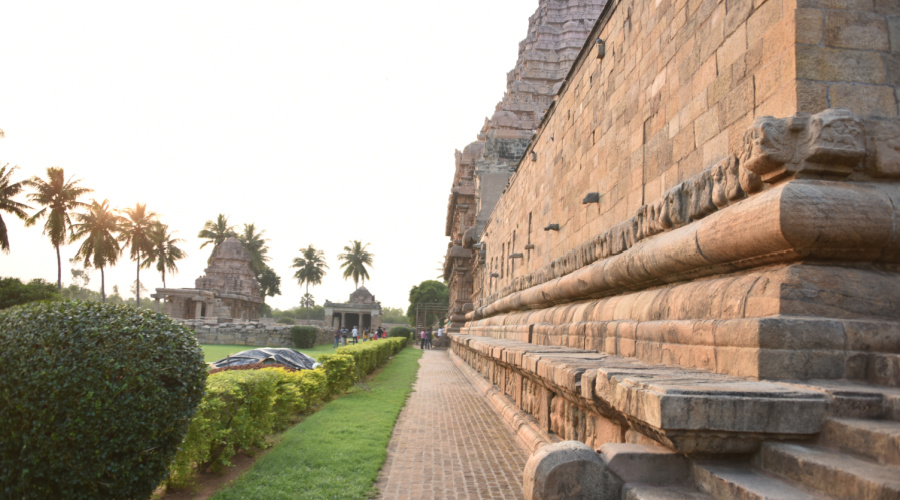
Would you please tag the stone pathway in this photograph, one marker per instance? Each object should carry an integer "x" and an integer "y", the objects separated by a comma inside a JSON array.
[{"x": 449, "y": 443}]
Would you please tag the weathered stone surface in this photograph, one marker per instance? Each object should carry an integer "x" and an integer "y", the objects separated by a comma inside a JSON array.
[
  {"x": 556, "y": 32},
  {"x": 646, "y": 464},
  {"x": 569, "y": 470},
  {"x": 741, "y": 228},
  {"x": 838, "y": 475},
  {"x": 690, "y": 410},
  {"x": 228, "y": 289}
]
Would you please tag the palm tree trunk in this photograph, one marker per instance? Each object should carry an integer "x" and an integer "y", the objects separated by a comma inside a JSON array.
[
  {"x": 307, "y": 303},
  {"x": 164, "y": 278},
  {"x": 58, "y": 269},
  {"x": 102, "y": 287},
  {"x": 138, "y": 289}
]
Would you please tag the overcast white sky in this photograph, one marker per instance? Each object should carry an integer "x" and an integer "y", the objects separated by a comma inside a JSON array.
[{"x": 320, "y": 122}]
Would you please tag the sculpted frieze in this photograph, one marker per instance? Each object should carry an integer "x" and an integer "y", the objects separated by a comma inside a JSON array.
[{"x": 828, "y": 145}]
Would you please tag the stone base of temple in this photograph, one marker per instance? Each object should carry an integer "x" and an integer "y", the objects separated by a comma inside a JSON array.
[{"x": 662, "y": 430}]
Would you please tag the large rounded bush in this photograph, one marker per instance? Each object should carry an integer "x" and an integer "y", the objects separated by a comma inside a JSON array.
[
  {"x": 400, "y": 331},
  {"x": 95, "y": 399}
]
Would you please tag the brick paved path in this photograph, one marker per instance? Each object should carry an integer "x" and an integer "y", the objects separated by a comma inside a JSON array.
[{"x": 449, "y": 443}]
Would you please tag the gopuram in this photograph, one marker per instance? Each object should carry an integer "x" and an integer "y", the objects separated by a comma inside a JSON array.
[
  {"x": 360, "y": 311},
  {"x": 228, "y": 289},
  {"x": 689, "y": 285}
]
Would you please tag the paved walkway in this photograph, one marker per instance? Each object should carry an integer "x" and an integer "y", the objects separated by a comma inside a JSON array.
[{"x": 449, "y": 443}]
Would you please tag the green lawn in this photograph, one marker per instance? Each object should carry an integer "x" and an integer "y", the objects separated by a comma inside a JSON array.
[
  {"x": 337, "y": 451},
  {"x": 215, "y": 352}
]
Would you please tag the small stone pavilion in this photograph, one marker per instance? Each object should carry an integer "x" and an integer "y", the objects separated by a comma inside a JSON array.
[
  {"x": 362, "y": 311},
  {"x": 228, "y": 290}
]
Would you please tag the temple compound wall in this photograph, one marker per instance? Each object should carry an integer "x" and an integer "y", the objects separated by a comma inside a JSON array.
[{"x": 698, "y": 251}]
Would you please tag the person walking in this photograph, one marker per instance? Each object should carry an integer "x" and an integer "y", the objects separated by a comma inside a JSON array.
[
  {"x": 344, "y": 336},
  {"x": 428, "y": 338},
  {"x": 355, "y": 335},
  {"x": 422, "y": 340},
  {"x": 337, "y": 337}
]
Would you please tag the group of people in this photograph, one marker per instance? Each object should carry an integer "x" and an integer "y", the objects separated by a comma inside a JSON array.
[
  {"x": 425, "y": 337},
  {"x": 341, "y": 335}
]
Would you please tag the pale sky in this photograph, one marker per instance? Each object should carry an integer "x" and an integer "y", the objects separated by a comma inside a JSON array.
[{"x": 320, "y": 122}]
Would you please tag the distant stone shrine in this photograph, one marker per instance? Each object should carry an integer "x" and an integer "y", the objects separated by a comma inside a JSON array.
[
  {"x": 228, "y": 290},
  {"x": 361, "y": 311}
]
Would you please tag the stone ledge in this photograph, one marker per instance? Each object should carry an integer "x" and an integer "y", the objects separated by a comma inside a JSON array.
[
  {"x": 691, "y": 411},
  {"x": 795, "y": 220}
]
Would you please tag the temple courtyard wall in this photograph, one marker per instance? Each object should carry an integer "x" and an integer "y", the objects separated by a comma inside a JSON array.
[
  {"x": 251, "y": 333},
  {"x": 697, "y": 256}
]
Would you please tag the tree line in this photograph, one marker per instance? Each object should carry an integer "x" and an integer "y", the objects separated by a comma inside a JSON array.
[{"x": 105, "y": 233}]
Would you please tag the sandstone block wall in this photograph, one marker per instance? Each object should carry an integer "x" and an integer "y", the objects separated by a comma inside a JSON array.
[
  {"x": 249, "y": 334},
  {"x": 692, "y": 230},
  {"x": 680, "y": 84}
]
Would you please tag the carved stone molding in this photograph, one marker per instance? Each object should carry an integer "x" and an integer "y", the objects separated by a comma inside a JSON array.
[{"x": 830, "y": 145}]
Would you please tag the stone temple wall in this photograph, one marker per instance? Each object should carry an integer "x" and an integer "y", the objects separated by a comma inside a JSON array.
[
  {"x": 706, "y": 223},
  {"x": 699, "y": 252}
]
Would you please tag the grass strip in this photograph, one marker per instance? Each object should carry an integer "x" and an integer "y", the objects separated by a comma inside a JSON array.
[
  {"x": 215, "y": 352},
  {"x": 338, "y": 451}
]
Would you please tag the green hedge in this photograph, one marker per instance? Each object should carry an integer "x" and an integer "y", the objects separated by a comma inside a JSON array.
[
  {"x": 400, "y": 331},
  {"x": 242, "y": 406},
  {"x": 304, "y": 337},
  {"x": 370, "y": 355},
  {"x": 96, "y": 399}
]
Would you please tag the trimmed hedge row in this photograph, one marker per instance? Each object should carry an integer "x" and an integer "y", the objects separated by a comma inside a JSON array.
[
  {"x": 370, "y": 355},
  {"x": 241, "y": 407}
]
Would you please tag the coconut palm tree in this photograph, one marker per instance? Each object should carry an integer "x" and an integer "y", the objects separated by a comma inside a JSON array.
[
  {"x": 355, "y": 259},
  {"x": 310, "y": 269},
  {"x": 8, "y": 190},
  {"x": 99, "y": 227},
  {"x": 135, "y": 233},
  {"x": 216, "y": 232},
  {"x": 164, "y": 252},
  {"x": 57, "y": 197},
  {"x": 256, "y": 247}
]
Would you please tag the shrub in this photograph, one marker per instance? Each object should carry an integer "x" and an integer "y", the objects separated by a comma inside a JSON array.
[
  {"x": 252, "y": 366},
  {"x": 400, "y": 331},
  {"x": 340, "y": 372},
  {"x": 304, "y": 337},
  {"x": 13, "y": 292},
  {"x": 370, "y": 355},
  {"x": 96, "y": 399},
  {"x": 239, "y": 409}
]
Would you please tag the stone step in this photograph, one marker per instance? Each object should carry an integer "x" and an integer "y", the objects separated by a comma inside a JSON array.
[
  {"x": 839, "y": 474},
  {"x": 741, "y": 481},
  {"x": 855, "y": 399},
  {"x": 877, "y": 440},
  {"x": 645, "y": 492},
  {"x": 689, "y": 410},
  {"x": 883, "y": 369}
]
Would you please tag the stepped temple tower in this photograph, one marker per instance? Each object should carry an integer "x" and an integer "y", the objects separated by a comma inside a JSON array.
[
  {"x": 679, "y": 244},
  {"x": 227, "y": 290},
  {"x": 556, "y": 32}
]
